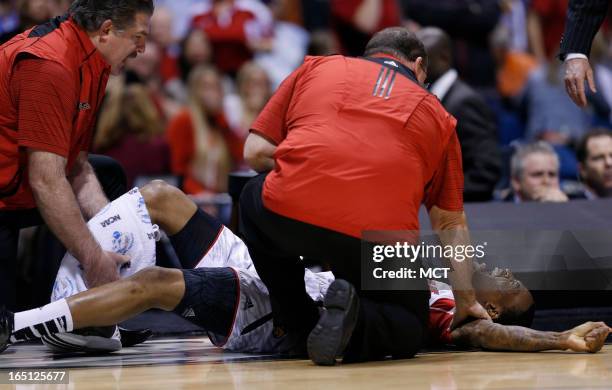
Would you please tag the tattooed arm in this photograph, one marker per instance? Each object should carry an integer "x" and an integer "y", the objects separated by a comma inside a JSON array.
[{"x": 588, "y": 337}]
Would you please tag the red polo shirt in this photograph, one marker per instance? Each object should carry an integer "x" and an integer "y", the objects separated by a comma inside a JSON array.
[
  {"x": 360, "y": 147},
  {"x": 52, "y": 81}
]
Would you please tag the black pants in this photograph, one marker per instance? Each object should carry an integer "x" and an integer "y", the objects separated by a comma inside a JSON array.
[
  {"x": 391, "y": 323},
  {"x": 113, "y": 181}
]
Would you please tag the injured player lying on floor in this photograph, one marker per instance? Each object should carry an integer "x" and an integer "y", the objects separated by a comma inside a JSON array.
[{"x": 220, "y": 290}]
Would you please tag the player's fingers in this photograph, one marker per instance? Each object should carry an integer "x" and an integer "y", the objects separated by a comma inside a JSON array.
[
  {"x": 569, "y": 88},
  {"x": 579, "y": 85},
  {"x": 591, "y": 80},
  {"x": 595, "y": 339},
  {"x": 121, "y": 259}
]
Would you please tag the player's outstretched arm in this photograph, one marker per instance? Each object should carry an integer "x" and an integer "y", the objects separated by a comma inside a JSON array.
[{"x": 588, "y": 337}]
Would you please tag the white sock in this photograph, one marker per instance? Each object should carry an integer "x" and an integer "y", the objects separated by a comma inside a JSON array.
[{"x": 49, "y": 319}]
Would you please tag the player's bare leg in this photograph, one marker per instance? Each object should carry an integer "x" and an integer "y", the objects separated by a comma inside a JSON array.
[
  {"x": 209, "y": 293},
  {"x": 152, "y": 288}
]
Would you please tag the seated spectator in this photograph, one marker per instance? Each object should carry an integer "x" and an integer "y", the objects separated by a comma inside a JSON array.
[
  {"x": 162, "y": 34},
  {"x": 545, "y": 24},
  {"x": 130, "y": 131},
  {"x": 234, "y": 29},
  {"x": 534, "y": 171},
  {"x": 253, "y": 93},
  {"x": 202, "y": 147},
  {"x": 355, "y": 21},
  {"x": 601, "y": 60},
  {"x": 476, "y": 127},
  {"x": 144, "y": 70},
  {"x": 551, "y": 115},
  {"x": 323, "y": 43},
  {"x": 469, "y": 22},
  {"x": 595, "y": 164},
  {"x": 514, "y": 67},
  {"x": 9, "y": 18},
  {"x": 182, "y": 12},
  {"x": 287, "y": 47},
  {"x": 31, "y": 13}
]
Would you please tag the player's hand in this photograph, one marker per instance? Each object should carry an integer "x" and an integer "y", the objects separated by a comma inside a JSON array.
[
  {"x": 588, "y": 337},
  {"x": 104, "y": 269},
  {"x": 578, "y": 70},
  {"x": 548, "y": 194},
  {"x": 467, "y": 306}
]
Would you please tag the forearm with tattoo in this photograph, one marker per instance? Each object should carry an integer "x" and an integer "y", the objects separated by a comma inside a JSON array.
[{"x": 497, "y": 337}]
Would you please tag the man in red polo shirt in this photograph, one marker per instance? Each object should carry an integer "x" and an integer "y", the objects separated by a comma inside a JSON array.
[
  {"x": 353, "y": 145},
  {"x": 52, "y": 81}
]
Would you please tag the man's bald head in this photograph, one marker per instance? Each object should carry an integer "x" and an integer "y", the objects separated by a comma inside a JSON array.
[
  {"x": 439, "y": 48},
  {"x": 398, "y": 42}
]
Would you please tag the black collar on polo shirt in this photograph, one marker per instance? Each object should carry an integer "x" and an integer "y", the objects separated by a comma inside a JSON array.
[{"x": 395, "y": 64}]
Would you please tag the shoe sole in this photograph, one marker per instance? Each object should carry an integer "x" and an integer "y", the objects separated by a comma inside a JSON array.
[
  {"x": 330, "y": 336},
  {"x": 68, "y": 342}
]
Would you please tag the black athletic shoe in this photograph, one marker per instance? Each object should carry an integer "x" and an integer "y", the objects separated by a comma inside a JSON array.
[
  {"x": 331, "y": 335},
  {"x": 6, "y": 328},
  {"x": 131, "y": 337}
]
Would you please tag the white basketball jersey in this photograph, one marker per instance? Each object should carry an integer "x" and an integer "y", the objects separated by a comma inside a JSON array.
[{"x": 252, "y": 327}]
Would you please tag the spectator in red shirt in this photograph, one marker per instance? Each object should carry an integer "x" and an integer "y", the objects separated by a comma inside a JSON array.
[
  {"x": 53, "y": 79},
  {"x": 353, "y": 145},
  {"x": 233, "y": 32},
  {"x": 203, "y": 149}
]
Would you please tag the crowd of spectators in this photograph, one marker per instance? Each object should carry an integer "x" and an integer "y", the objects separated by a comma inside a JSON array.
[{"x": 184, "y": 107}]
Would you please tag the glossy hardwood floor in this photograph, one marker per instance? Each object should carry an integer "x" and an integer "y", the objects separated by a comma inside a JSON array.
[{"x": 436, "y": 371}]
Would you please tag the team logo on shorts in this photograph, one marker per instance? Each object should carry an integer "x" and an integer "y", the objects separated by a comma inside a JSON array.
[
  {"x": 247, "y": 304},
  {"x": 63, "y": 288},
  {"x": 122, "y": 242}
]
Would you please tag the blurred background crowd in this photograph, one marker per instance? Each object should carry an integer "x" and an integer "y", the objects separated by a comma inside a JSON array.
[{"x": 183, "y": 109}]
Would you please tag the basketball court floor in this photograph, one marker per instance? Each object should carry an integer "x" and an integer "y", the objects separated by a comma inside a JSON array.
[{"x": 193, "y": 363}]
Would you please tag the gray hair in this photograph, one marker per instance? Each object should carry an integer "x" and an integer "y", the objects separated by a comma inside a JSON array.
[
  {"x": 517, "y": 164},
  {"x": 90, "y": 14}
]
